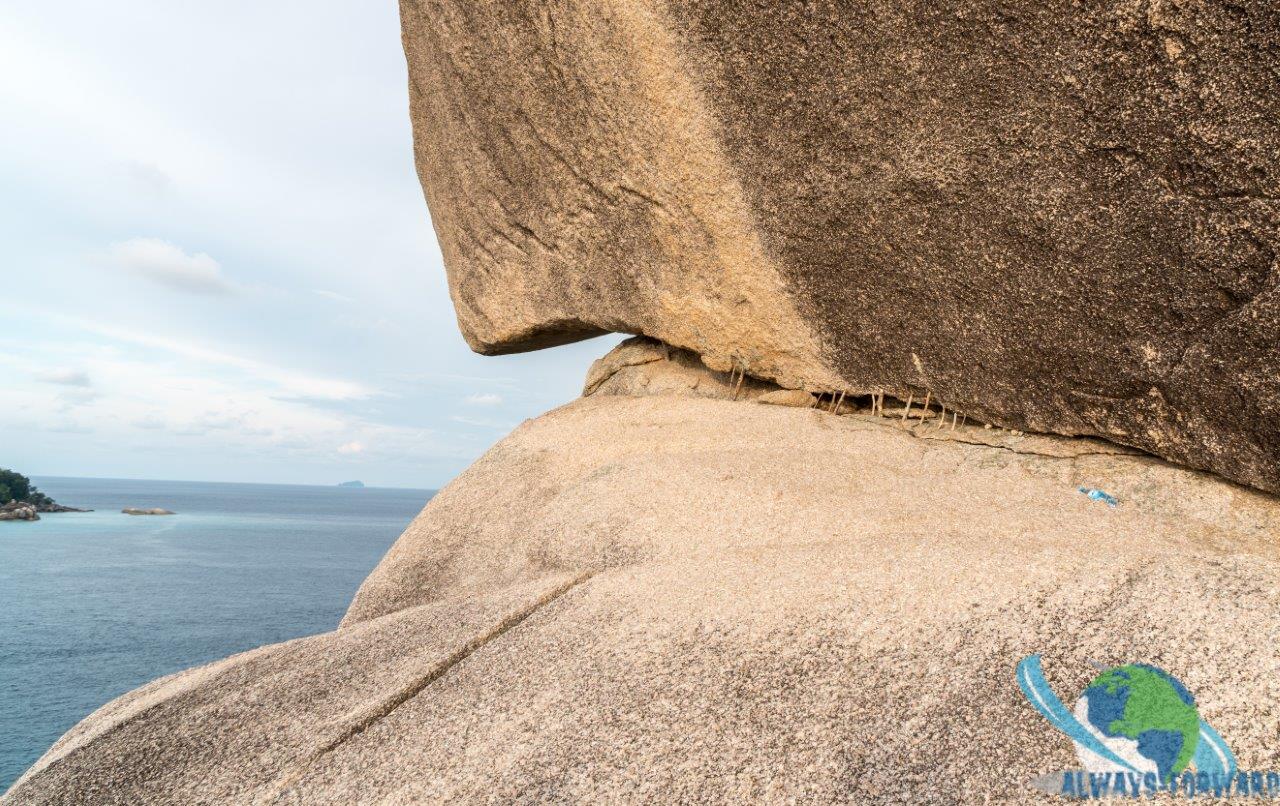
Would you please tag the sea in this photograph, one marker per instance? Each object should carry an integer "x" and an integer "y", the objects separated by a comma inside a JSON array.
[{"x": 94, "y": 604}]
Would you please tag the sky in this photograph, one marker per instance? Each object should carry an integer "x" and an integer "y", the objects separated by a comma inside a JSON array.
[{"x": 217, "y": 262}]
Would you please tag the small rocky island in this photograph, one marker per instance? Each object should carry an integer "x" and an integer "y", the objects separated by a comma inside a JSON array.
[
  {"x": 150, "y": 511},
  {"x": 18, "y": 511},
  {"x": 20, "y": 500},
  {"x": 356, "y": 483}
]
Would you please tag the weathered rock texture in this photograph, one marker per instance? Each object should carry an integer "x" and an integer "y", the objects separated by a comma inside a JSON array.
[
  {"x": 1056, "y": 216},
  {"x": 658, "y": 599},
  {"x": 18, "y": 511},
  {"x": 640, "y": 367}
]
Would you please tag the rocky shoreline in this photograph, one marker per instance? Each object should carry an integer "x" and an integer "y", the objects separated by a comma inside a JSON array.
[
  {"x": 58, "y": 508},
  {"x": 18, "y": 511},
  {"x": 24, "y": 511}
]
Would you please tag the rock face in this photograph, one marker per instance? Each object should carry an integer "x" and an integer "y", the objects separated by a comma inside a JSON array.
[
  {"x": 676, "y": 598},
  {"x": 51, "y": 506},
  {"x": 641, "y": 367},
  {"x": 795, "y": 398},
  {"x": 26, "y": 511},
  {"x": 18, "y": 511},
  {"x": 1053, "y": 216}
]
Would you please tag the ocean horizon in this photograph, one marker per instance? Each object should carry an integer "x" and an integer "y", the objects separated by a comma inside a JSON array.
[{"x": 95, "y": 604}]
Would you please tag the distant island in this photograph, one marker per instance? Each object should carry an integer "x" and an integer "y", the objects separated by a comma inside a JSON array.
[
  {"x": 352, "y": 484},
  {"x": 146, "y": 511},
  {"x": 20, "y": 500}
]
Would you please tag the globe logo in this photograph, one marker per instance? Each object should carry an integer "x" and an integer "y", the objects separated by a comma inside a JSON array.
[
  {"x": 1133, "y": 725},
  {"x": 1144, "y": 716}
]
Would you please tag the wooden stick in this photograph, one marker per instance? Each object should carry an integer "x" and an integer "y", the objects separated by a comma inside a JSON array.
[
  {"x": 742, "y": 376},
  {"x": 907, "y": 411},
  {"x": 954, "y": 415},
  {"x": 839, "y": 402},
  {"x": 943, "y": 416},
  {"x": 925, "y": 413}
]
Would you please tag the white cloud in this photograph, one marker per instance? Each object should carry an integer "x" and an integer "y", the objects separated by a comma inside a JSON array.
[
  {"x": 333, "y": 295},
  {"x": 485, "y": 399},
  {"x": 78, "y": 397},
  {"x": 166, "y": 264},
  {"x": 66, "y": 377},
  {"x": 241, "y": 159},
  {"x": 149, "y": 177},
  {"x": 201, "y": 410},
  {"x": 288, "y": 382},
  {"x": 70, "y": 428},
  {"x": 481, "y": 422}
]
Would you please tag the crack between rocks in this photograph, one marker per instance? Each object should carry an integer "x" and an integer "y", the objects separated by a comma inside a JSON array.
[
  {"x": 1011, "y": 449},
  {"x": 911, "y": 432},
  {"x": 389, "y": 706},
  {"x": 593, "y": 385}
]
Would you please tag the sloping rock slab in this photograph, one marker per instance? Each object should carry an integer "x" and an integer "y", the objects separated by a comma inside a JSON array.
[
  {"x": 664, "y": 599},
  {"x": 247, "y": 728}
]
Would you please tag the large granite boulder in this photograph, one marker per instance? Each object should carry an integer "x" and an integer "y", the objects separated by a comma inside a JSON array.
[
  {"x": 18, "y": 511},
  {"x": 683, "y": 599},
  {"x": 1056, "y": 216}
]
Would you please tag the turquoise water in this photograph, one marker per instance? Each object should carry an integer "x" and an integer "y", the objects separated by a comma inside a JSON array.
[{"x": 95, "y": 604}]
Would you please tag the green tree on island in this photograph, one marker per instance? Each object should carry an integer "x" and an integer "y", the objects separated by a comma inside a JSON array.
[{"x": 17, "y": 487}]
